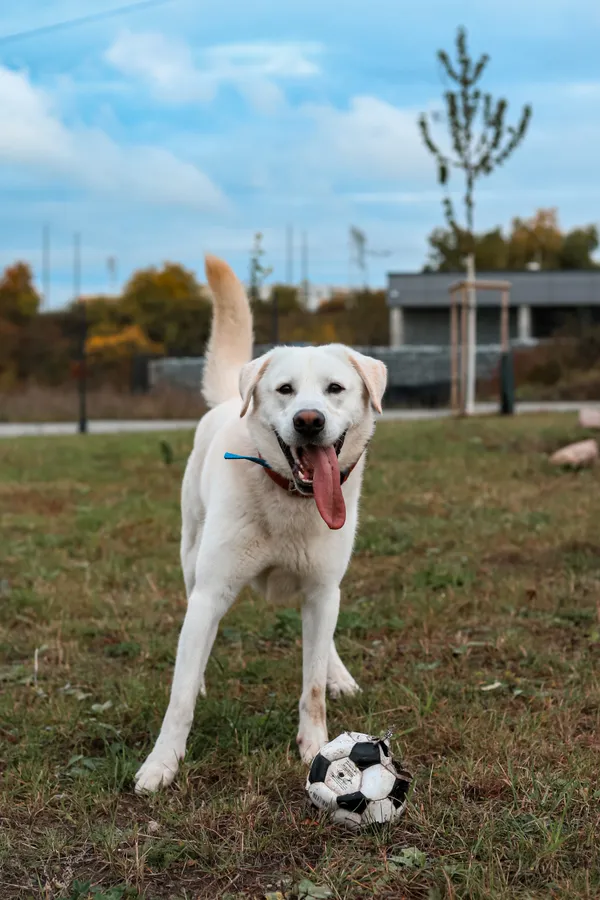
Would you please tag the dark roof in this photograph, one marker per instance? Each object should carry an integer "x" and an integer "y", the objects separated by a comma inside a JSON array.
[{"x": 577, "y": 288}]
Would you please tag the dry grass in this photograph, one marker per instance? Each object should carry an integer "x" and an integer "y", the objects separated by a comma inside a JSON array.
[
  {"x": 470, "y": 618},
  {"x": 44, "y": 404}
]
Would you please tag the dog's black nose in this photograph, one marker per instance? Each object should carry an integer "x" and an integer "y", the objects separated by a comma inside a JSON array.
[{"x": 309, "y": 422}]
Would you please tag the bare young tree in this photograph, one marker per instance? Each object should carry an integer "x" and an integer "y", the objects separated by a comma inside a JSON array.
[
  {"x": 480, "y": 141},
  {"x": 480, "y": 138}
]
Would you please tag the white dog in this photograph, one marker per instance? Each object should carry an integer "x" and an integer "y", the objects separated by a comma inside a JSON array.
[{"x": 282, "y": 518}]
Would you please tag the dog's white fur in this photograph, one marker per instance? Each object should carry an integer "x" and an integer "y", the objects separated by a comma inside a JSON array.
[{"x": 239, "y": 528}]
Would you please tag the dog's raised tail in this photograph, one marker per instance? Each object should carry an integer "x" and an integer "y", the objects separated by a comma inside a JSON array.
[{"x": 230, "y": 344}]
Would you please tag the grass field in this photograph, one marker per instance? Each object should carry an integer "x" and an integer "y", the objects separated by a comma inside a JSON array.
[{"x": 470, "y": 618}]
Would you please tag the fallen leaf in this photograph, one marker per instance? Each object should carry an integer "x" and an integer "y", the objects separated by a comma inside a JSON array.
[
  {"x": 409, "y": 858},
  {"x": 306, "y": 890},
  {"x": 492, "y": 687}
]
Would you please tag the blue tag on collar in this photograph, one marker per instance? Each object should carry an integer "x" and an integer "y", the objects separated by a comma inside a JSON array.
[{"x": 254, "y": 459}]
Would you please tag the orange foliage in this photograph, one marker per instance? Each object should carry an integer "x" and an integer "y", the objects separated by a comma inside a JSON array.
[{"x": 126, "y": 342}]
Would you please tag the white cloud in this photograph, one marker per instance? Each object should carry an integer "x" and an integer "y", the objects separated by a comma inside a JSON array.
[
  {"x": 170, "y": 70},
  {"x": 372, "y": 138},
  {"x": 33, "y": 137},
  {"x": 396, "y": 198},
  {"x": 582, "y": 90},
  {"x": 30, "y": 129}
]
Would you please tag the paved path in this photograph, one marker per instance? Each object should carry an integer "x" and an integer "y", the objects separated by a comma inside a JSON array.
[
  {"x": 16, "y": 429},
  {"x": 100, "y": 426}
]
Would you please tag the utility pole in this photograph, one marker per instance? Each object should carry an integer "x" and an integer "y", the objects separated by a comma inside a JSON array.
[
  {"x": 111, "y": 265},
  {"x": 83, "y": 423},
  {"x": 46, "y": 266},
  {"x": 289, "y": 255},
  {"x": 304, "y": 265}
]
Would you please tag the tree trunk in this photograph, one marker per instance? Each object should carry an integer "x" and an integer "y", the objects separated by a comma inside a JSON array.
[{"x": 471, "y": 339}]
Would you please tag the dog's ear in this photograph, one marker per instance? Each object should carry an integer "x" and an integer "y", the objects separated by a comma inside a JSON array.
[
  {"x": 374, "y": 375},
  {"x": 250, "y": 375}
]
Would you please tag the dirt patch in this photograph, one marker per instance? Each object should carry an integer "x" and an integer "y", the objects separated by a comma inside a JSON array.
[{"x": 41, "y": 500}]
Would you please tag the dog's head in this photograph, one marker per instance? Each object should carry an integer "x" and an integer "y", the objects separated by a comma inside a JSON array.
[{"x": 310, "y": 413}]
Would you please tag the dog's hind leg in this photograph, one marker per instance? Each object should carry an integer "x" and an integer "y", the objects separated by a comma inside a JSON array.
[
  {"x": 223, "y": 568},
  {"x": 191, "y": 538},
  {"x": 339, "y": 680},
  {"x": 192, "y": 524}
]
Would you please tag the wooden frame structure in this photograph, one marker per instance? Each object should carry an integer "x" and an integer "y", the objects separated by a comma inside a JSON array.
[{"x": 460, "y": 334}]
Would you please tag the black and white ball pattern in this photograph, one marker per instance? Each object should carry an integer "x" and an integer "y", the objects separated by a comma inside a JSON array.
[{"x": 355, "y": 778}]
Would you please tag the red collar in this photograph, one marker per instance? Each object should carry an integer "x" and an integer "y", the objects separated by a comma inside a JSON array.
[{"x": 289, "y": 485}]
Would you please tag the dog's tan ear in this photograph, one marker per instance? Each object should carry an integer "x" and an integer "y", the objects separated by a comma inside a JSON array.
[
  {"x": 374, "y": 375},
  {"x": 250, "y": 375}
]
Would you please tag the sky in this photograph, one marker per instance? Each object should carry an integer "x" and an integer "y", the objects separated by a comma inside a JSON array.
[{"x": 183, "y": 127}]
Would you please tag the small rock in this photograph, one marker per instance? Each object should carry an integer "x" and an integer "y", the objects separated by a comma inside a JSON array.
[
  {"x": 583, "y": 453},
  {"x": 153, "y": 826},
  {"x": 589, "y": 417}
]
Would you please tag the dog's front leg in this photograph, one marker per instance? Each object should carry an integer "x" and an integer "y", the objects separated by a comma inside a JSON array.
[
  {"x": 217, "y": 585},
  {"x": 319, "y": 618}
]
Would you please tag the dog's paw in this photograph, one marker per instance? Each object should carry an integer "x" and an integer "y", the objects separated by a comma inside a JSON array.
[
  {"x": 342, "y": 684},
  {"x": 156, "y": 772},
  {"x": 310, "y": 741}
]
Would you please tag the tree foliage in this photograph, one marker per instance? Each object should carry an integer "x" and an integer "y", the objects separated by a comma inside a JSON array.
[
  {"x": 480, "y": 138},
  {"x": 19, "y": 300},
  {"x": 535, "y": 242},
  {"x": 169, "y": 305},
  {"x": 128, "y": 341}
]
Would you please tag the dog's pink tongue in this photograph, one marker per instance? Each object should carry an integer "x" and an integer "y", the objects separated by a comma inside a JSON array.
[{"x": 326, "y": 485}]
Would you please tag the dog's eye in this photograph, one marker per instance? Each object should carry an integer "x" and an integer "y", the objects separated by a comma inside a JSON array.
[
  {"x": 335, "y": 388},
  {"x": 285, "y": 389}
]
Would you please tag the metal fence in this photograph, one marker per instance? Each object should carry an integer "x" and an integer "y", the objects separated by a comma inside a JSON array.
[{"x": 417, "y": 375}]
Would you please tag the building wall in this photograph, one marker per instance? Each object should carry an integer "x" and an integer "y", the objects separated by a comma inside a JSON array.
[
  {"x": 431, "y": 326},
  {"x": 527, "y": 288}
]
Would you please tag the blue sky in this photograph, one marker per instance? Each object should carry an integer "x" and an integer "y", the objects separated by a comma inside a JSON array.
[{"x": 169, "y": 131}]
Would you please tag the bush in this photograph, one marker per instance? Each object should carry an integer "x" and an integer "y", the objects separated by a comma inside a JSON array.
[{"x": 564, "y": 368}]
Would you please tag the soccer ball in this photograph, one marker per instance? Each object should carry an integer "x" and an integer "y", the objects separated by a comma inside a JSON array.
[{"x": 355, "y": 779}]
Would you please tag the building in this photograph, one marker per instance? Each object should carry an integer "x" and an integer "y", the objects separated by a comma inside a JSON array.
[{"x": 540, "y": 303}]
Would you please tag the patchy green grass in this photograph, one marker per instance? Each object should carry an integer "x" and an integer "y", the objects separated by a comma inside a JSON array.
[{"x": 470, "y": 617}]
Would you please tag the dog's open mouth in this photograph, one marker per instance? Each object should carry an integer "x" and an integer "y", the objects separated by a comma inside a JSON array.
[
  {"x": 316, "y": 471},
  {"x": 300, "y": 461}
]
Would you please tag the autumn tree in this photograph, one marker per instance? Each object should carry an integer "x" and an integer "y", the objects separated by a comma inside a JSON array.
[
  {"x": 170, "y": 306},
  {"x": 537, "y": 240},
  {"x": 578, "y": 246},
  {"x": 287, "y": 298},
  {"x": 446, "y": 253},
  {"x": 104, "y": 314},
  {"x": 19, "y": 300}
]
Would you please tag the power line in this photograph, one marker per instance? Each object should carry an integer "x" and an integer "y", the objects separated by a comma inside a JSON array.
[{"x": 82, "y": 20}]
